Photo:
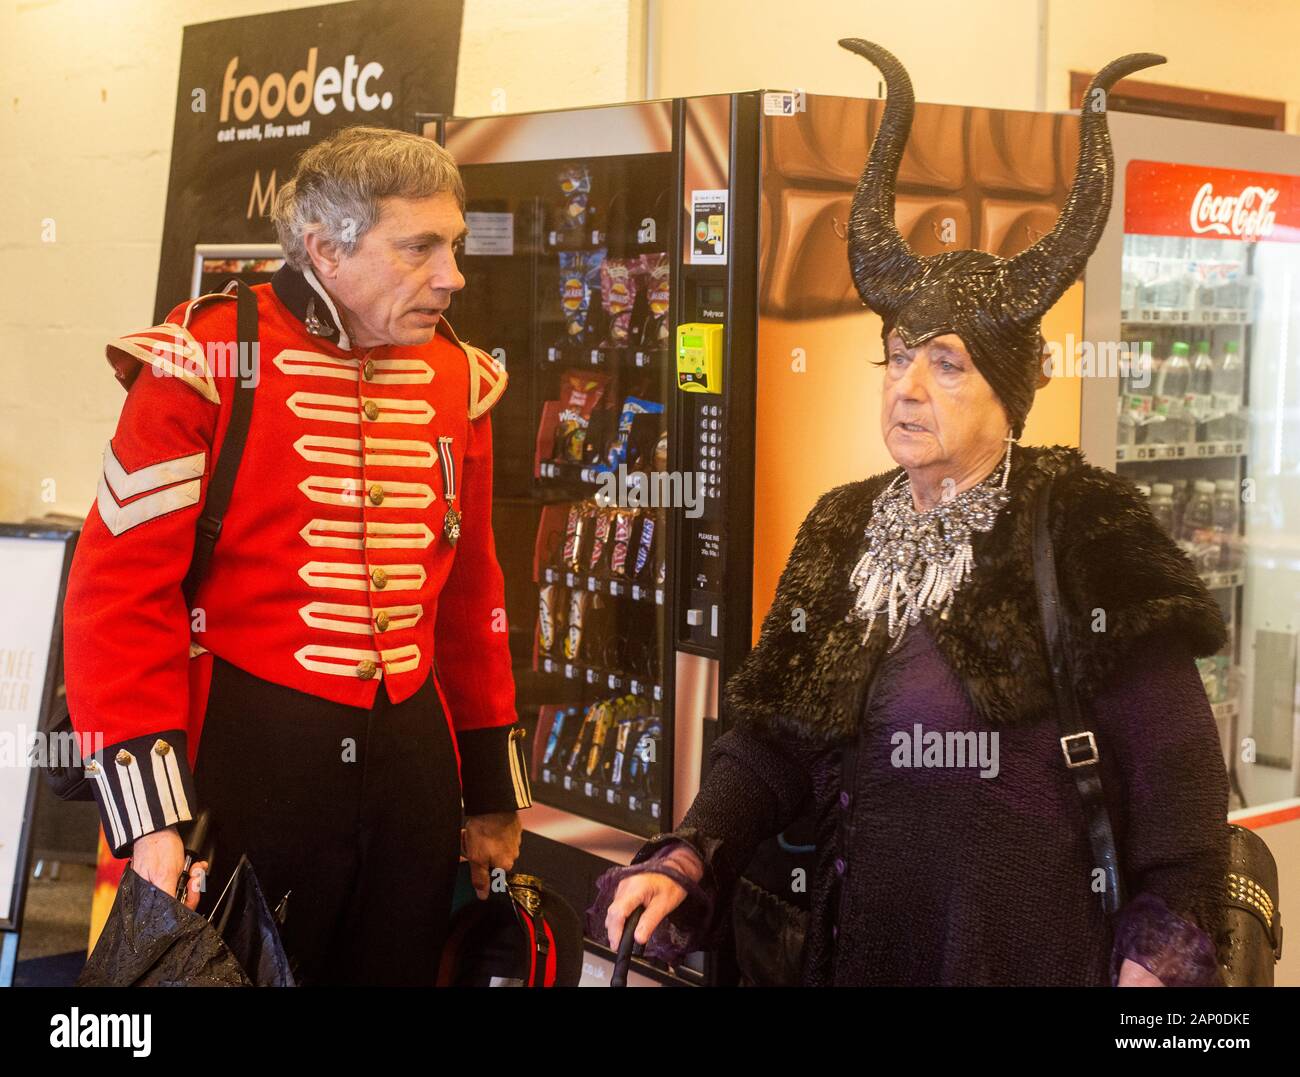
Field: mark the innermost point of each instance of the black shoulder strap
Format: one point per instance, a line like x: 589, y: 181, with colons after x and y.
x: 1078, y: 743
x: 222, y: 482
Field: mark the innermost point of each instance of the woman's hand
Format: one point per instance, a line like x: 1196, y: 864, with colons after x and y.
x: 1131, y: 974
x: 160, y: 857
x: 491, y: 841
x: 658, y: 893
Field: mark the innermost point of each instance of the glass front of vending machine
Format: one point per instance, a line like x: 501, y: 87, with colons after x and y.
x: 1205, y: 419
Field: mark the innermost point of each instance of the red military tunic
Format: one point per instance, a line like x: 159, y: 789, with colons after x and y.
x: 333, y: 574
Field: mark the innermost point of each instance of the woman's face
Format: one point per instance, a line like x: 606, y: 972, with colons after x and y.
x: 938, y: 414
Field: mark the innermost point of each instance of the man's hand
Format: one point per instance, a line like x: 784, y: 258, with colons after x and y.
x: 160, y: 858
x: 491, y: 841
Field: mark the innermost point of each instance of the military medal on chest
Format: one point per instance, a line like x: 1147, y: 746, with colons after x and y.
x: 451, y: 521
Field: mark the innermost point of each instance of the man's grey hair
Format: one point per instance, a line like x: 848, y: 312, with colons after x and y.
x: 340, y: 182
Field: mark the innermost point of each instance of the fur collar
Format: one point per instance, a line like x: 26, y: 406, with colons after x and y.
x: 1121, y: 579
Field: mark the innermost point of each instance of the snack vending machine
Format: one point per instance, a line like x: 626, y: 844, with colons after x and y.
x: 667, y: 285
x: 1198, y: 279
x: 609, y: 451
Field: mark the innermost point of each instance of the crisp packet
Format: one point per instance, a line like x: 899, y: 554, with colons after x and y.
x: 632, y: 407
x: 656, y: 270
x: 579, y: 279
x: 618, y: 288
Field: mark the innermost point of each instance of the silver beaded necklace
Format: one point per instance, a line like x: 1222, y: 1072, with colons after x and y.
x: 916, y: 562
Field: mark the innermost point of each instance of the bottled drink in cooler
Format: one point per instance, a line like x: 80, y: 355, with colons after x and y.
x: 1207, y: 265
x: 1172, y: 289
x: 1172, y: 385
x: 1227, y: 516
x: 1180, y: 503
x: 1162, y: 505
x: 1226, y: 386
x: 1199, y: 401
x: 1198, y: 536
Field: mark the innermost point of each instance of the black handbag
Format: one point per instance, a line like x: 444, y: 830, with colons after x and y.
x: 63, y: 772
x: 1250, y: 942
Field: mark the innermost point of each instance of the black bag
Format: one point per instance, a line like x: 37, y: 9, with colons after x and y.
x: 1250, y: 941
x: 70, y: 782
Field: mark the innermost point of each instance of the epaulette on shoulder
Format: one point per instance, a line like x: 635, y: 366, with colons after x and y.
x: 170, y: 348
x: 487, y: 377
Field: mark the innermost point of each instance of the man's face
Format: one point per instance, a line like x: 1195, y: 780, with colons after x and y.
x: 394, y: 287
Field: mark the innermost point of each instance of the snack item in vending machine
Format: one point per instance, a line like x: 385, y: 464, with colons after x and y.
x: 644, y: 755
x: 583, y: 538
x: 569, y: 551
x: 601, y: 430
x: 600, y: 540
x: 580, y: 394
x: 622, y: 736
x: 624, y: 524
x: 645, y: 441
x: 550, y: 598
x: 579, y: 280
x: 584, y: 731
x: 556, y: 734
x: 645, y: 545
x: 578, y: 602
x: 632, y: 408
x: 618, y: 290
x: 655, y: 332
x: 575, y: 185
x: 599, y: 734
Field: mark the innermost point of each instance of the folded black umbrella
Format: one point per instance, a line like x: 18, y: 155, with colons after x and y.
x: 153, y: 940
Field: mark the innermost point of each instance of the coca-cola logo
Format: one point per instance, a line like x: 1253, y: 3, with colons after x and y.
x: 1248, y: 215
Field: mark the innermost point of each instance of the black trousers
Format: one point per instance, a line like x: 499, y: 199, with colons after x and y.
x: 355, y: 814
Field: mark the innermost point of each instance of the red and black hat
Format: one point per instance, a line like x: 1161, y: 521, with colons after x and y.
x: 523, y: 936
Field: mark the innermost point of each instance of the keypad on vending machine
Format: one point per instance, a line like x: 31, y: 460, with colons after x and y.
x: 710, y: 448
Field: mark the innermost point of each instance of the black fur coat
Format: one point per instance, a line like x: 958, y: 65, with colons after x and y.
x: 1122, y: 578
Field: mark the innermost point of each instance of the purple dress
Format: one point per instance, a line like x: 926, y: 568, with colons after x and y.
x: 958, y: 854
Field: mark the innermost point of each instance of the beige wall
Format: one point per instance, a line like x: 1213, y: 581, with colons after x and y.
x: 949, y: 46
x: 87, y: 99
x: 975, y: 52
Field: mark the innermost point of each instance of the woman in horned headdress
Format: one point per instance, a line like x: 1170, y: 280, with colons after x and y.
x: 909, y: 611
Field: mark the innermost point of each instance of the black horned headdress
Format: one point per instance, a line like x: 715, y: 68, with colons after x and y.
x: 994, y: 304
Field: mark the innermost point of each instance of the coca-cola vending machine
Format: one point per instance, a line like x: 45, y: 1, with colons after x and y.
x: 1196, y: 284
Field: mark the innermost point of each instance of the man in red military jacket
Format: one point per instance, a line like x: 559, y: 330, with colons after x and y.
x: 299, y: 699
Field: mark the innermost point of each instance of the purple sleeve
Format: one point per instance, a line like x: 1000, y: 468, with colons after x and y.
x: 1171, y: 948
x: 754, y: 788
x: 687, y: 928
x: 1173, y: 805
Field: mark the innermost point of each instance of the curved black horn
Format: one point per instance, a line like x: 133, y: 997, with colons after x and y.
x: 882, y: 264
x: 1039, y: 276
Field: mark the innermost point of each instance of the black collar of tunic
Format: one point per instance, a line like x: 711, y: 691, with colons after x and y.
x: 298, y: 294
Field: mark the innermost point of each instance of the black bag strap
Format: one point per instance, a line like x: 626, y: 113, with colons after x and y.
x: 222, y: 483
x: 1078, y: 743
